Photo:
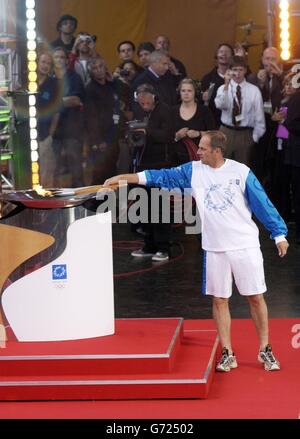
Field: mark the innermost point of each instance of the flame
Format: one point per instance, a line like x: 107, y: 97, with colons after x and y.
x: 42, y: 192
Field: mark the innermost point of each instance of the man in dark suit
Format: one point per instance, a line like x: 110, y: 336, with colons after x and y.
x: 176, y: 67
x: 211, y: 82
x: 155, y: 75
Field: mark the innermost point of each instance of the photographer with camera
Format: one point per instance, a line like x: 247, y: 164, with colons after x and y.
x: 159, y: 131
x: 127, y: 72
x: 149, y: 137
x: 124, y: 71
x: 83, y: 50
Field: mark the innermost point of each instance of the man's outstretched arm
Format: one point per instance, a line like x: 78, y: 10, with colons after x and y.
x: 178, y: 178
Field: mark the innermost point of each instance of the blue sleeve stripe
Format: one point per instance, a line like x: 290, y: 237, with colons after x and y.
x: 204, y: 273
x: 174, y: 178
x: 263, y: 208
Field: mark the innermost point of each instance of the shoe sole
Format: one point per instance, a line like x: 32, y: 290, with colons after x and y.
x: 143, y: 256
x: 160, y: 260
x: 275, y: 369
x: 223, y: 370
x: 268, y: 369
x: 232, y: 366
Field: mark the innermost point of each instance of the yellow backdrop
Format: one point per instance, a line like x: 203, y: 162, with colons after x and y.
x: 195, y: 27
x: 111, y: 20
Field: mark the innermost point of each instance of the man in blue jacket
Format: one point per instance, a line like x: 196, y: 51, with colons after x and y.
x: 227, y: 193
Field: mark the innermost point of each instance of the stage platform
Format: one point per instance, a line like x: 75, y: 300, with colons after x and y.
x: 145, y: 359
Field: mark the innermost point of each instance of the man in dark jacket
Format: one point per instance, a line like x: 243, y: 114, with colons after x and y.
x: 154, y: 153
x: 155, y: 75
x: 215, y: 78
x: 66, y: 26
x: 177, y: 69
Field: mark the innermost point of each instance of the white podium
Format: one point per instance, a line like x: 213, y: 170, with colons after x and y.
x: 72, y: 297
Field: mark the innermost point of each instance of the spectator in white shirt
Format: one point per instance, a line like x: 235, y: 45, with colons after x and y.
x: 242, y: 118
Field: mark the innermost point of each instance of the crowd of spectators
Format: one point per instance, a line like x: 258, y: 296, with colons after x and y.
x: 84, y: 110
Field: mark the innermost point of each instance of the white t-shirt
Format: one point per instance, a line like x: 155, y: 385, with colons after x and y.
x: 226, y: 217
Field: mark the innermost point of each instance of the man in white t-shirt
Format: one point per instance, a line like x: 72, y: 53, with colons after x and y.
x: 227, y: 193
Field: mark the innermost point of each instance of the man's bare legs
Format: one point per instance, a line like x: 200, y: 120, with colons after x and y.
x: 222, y: 319
x: 259, y: 313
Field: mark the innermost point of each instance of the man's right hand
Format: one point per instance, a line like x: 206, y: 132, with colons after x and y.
x: 112, y: 180
x: 275, y: 69
x: 76, y: 43
x: 227, y: 78
x: 262, y: 76
x: 123, y: 179
x: 116, y: 73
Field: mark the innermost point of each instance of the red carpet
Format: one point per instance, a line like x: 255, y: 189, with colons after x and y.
x: 247, y: 392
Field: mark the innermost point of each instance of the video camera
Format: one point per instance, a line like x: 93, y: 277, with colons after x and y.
x: 124, y: 73
x: 136, y: 139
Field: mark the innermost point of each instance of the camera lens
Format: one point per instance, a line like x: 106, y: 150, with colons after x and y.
x: 124, y: 73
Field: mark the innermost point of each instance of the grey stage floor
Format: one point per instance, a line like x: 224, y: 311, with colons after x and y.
x: 145, y: 289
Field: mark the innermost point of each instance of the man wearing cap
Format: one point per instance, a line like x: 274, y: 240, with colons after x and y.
x: 66, y: 26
